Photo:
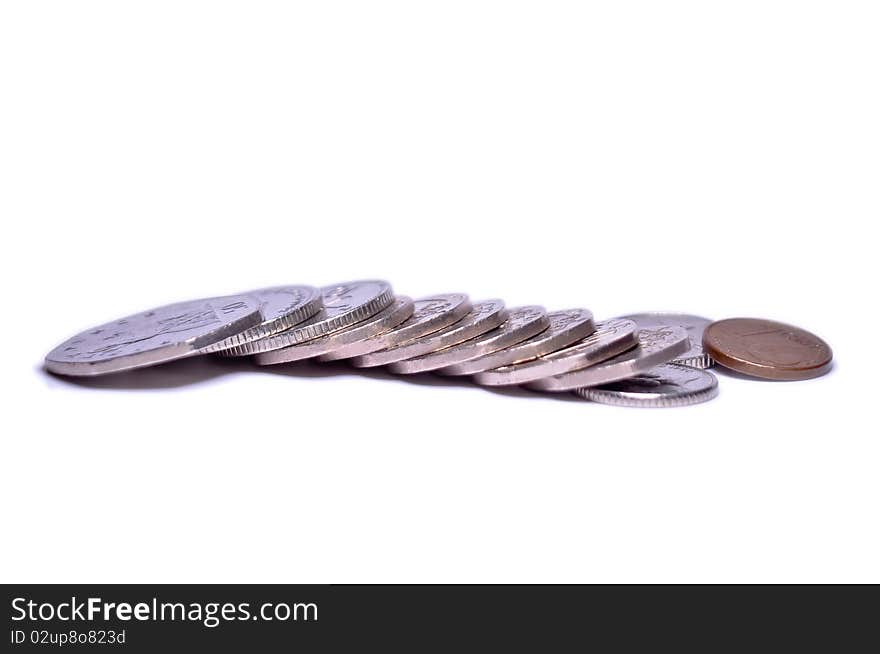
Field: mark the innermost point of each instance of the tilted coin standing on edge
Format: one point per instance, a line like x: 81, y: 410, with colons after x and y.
x: 696, y: 357
x: 767, y: 349
x: 344, y: 304
x: 521, y: 323
x: 162, y: 334
x: 388, y: 318
x: 565, y: 327
x: 667, y: 385
x: 656, y: 345
x: 282, y: 307
x: 484, y: 316
x: 430, y: 314
x: 610, y: 339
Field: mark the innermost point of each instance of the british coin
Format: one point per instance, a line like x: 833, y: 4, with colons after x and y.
x: 610, y: 339
x: 656, y: 345
x: 388, y: 318
x: 565, y: 327
x: 344, y: 304
x: 696, y: 357
x: 162, y: 334
x: 521, y: 323
x: 767, y: 349
x: 430, y: 314
x: 282, y: 307
x: 484, y: 316
x: 666, y: 385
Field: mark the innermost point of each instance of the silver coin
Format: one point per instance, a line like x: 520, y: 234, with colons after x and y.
x: 282, y: 307
x: 521, y: 323
x: 695, y: 357
x: 388, y: 318
x: 664, y: 386
x: 344, y: 304
x: 610, y: 339
x: 430, y: 314
x: 656, y: 345
x: 484, y: 316
x: 565, y: 327
x: 162, y: 334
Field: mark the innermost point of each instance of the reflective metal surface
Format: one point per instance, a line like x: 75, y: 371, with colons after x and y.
x: 162, y: 334
x: 521, y: 323
x: 656, y: 345
x: 386, y: 319
x: 344, y: 304
x: 666, y: 385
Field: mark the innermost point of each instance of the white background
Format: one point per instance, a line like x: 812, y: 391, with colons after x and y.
x: 714, y: 158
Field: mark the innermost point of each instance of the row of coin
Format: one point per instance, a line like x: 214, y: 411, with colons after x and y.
x: 645, y: 359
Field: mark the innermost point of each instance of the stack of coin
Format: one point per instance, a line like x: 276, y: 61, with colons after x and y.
x: 645, y: 359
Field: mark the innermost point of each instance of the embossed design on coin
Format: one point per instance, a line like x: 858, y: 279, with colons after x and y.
x: 386, y: 319
x: 565, y: 327
x: 344, y: 304
x: 610, y: 339
x: 162, y: 334
x: 667, y: 385
x: 656, y: 345
x: 521, y: 323
x: 767, y: 349
x: 430, y: 315
x: 282, y: 307
x: 695, y: 357
x: 484, y: 316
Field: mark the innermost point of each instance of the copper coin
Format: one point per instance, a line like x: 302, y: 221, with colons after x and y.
x: 767, y: 349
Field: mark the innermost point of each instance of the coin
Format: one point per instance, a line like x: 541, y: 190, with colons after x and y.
x: 696, y: 357
x: 430, y: 314
x: 388, y: 318
x: 565, y: 328
x: 656, y: 345
x: 282, y: 307
x: 666, y: 385
x: 344, y: 304
x: 521, y: 323
x: 162, y: 334
x: 484, y: 316
x: 767, y: 349
x: 610, y: 339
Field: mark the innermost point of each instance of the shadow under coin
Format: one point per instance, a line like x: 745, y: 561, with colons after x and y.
x: 174, y: 374
x: 341, y: 368
x: 520, y: 392
x: 433, y: 379
x: 309, y: 369
x: 205, y: 369
x: 721, y: 371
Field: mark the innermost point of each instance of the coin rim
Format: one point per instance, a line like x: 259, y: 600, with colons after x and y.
x: 701, y: 361
x: 435, y: 323
x: 560, y: 340
x: 428, y: 362
x: 305, y: 310
x: 627, y: 368
x: 500, y: 377
x: 413, y: 365
x: 386, y: 319
x: 399, y: 352
x: 300, y: 334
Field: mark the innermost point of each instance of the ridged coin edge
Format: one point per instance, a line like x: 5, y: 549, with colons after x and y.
x: 597, y: 395
x: 264, y: 330
x: 303, y: 334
